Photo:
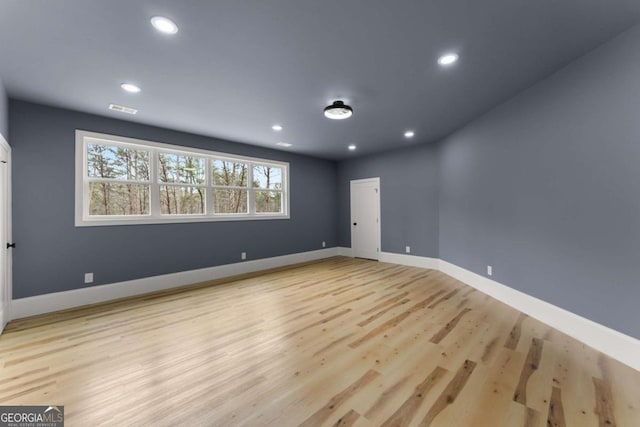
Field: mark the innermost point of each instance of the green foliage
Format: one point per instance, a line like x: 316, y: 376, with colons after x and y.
x: 229, y: 174
x: 179, y: 169
x: 120, y: 164
x: 121, y: 183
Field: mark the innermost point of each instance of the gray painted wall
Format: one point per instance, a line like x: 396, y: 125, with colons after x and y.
x: 408, y: 198
x: 546, y: 189
x: 52, y: 255
x: 4, y: 112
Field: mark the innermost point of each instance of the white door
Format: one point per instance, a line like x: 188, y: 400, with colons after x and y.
x: 5, y: 232
x: 365, y: 218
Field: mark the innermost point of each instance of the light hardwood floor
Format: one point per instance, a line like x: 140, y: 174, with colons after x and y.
x: 338, y: 342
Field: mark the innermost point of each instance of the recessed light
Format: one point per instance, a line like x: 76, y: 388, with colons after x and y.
x: 448, y: 59
x: 338, y: 111
x: 164, y: 25
x: 129, y: 87
x: 409, y: 134
x: 277, y: 128
x: 122, y: 109
x: 352, y: 147
x: 283, y: 144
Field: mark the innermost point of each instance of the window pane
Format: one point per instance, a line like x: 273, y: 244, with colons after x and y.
x: 118, y: 199
x: 180, y: 169
x: 230, y: 174
x: 229, y: 201
x: 268, y: 177
x: 179, y: 200
x: 105, y: 161
x: 268, y: 201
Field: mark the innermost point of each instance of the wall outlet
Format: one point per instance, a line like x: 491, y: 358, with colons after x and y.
x: 324, y: 244
x: 88, y: 277
x: 243, y: 255
x: 489, y: 270
x: 407, y: 249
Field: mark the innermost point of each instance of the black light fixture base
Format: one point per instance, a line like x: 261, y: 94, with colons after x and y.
x: 338, y: 111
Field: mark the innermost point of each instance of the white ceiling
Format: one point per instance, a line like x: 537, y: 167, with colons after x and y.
x: 236, y: 67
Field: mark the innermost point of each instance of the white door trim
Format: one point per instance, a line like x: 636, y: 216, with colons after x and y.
x: 8, y: 282
x: 376, y: 181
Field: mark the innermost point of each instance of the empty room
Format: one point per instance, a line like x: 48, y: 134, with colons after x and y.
x: 319, y: 213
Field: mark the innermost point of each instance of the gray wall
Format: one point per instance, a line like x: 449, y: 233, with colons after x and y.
x: 4, y: 112
x: 52, y: 255
x: 408, y: 198
x: 546, y: 189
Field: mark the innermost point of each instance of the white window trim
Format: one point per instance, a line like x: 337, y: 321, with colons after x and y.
x: 83, y: 219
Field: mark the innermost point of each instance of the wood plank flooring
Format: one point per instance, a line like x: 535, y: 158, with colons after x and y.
x: 340, y: 342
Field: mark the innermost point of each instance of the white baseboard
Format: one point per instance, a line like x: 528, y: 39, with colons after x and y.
x: 410, y: 260
x: 31, y: 306
x: 342, y: 251
x: 606, y: 340
x: 617, y: 345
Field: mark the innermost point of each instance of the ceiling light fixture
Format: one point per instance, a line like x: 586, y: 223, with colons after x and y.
x: 277, y: 128
x: 122, y: 109
x: 130, y: 87
x: 283, y: 144
x: 164, y: 25
x: 338, y: 111
x: 352, y: 147
x: 448, y: 59
x: 409, y: 134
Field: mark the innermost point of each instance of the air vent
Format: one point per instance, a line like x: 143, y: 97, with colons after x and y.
x: 122, y: 109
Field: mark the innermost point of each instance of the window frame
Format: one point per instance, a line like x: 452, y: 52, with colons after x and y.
x: 82, y: 194
x: 156, y: 179
x: 89, y: 180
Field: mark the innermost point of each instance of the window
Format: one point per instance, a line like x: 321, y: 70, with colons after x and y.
x: 267, y: 179
x: 128, y: 181
x: 182, y: 184
x: 118, y: 180
x: 230, y: 187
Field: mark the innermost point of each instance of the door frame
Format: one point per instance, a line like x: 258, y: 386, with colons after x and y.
x: 6, y: 311
x: 353, y: 182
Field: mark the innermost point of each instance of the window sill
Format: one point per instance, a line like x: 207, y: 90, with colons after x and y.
x: 95, y: 222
